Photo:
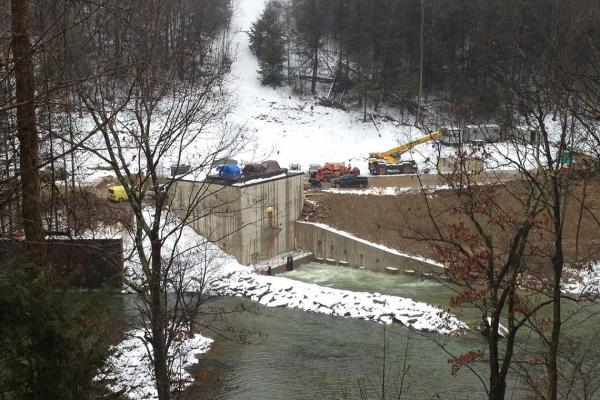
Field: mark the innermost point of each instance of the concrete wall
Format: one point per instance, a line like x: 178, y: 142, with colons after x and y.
x: 338, y: 249
x: 252, y: 221
x: 269, y: 211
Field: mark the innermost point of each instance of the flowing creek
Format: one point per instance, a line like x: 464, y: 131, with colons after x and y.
x: 299, y: 355
x: 293, y: 354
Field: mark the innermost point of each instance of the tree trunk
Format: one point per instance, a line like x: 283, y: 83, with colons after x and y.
x: 313, y: 85
x: 497, y: 381
x: 27, y: 133
x: 557, y: 268
x: 158, y: 320
x: 555, y: 338
x: 580, y: 217
x: 557, y: 265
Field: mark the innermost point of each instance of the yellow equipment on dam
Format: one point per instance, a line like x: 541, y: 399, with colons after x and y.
x: 390, y: 162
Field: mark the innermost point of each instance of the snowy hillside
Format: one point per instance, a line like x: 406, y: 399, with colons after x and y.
x: 295, y: 130
x: 291, y: 129
x: 280, y: 125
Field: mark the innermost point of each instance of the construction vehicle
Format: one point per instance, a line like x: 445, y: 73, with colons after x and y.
x: 265, y: 169
x: 117, y: 194
x: 349, y: 180
x: 390, y: 162
x: 335, y: 170
x: 312, y: 169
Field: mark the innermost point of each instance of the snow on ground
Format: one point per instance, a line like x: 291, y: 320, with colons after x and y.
x: 583, y: 282
x: 377, y: 245
x: 282, y: 292
x: 292, y: 129
x: 203, y: 264
x: 129, y: 368
x: 196, y: 261
x: 295, y: 129
x: 287, y: 127
x: 387, y: 191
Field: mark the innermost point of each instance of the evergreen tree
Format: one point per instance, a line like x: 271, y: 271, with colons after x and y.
x: 267, y: 42
x: 52, y: 341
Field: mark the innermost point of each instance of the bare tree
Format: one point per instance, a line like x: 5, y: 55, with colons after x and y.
x: 150, y: 112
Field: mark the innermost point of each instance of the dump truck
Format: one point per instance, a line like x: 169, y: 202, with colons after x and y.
x: 390, y: 162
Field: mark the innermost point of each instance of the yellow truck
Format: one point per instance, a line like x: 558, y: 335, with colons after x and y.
x: 117, y: 194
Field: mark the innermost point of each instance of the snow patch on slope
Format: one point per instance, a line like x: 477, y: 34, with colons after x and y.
x: 296, y: 129
x: 387, y: 191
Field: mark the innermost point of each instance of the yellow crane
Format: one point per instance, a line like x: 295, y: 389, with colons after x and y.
x: 389, y: 162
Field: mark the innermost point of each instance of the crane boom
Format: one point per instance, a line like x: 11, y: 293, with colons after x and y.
x: 393, y: 155
x: 389, y: 162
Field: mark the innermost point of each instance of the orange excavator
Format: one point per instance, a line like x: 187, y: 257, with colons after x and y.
x: 335, y: 170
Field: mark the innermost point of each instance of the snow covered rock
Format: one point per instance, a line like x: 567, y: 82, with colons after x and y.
x: 273, y: 291
x: 129, y: 369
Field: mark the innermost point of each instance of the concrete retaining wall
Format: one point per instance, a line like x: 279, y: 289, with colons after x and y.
x: 251, y: 220
x: 335, y: 248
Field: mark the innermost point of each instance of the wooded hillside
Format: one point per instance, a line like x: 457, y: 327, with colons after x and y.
x: 371, y: 49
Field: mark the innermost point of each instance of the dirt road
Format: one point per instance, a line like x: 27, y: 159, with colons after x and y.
x: 416, y: 181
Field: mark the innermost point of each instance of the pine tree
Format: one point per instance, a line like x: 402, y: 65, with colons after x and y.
x: 267, y: 42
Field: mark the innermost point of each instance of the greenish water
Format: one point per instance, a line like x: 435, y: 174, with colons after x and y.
x: 411, y: 286
x: 581, y: 319
x: 300, y: 355
x: 291, y: 354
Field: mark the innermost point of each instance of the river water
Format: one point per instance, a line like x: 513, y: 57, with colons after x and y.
x: 292, y: 354
x: 281, y: 353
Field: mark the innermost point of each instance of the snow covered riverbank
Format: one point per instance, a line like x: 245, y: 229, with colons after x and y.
x: 273, y: 291
x: 129, y: 369
x: 209, y: 267
x: 583, y: 282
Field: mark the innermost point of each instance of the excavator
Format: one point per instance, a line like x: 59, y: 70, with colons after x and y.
x: 389, y: 162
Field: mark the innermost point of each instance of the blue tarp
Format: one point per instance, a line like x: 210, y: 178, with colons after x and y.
x: 229, y: 171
